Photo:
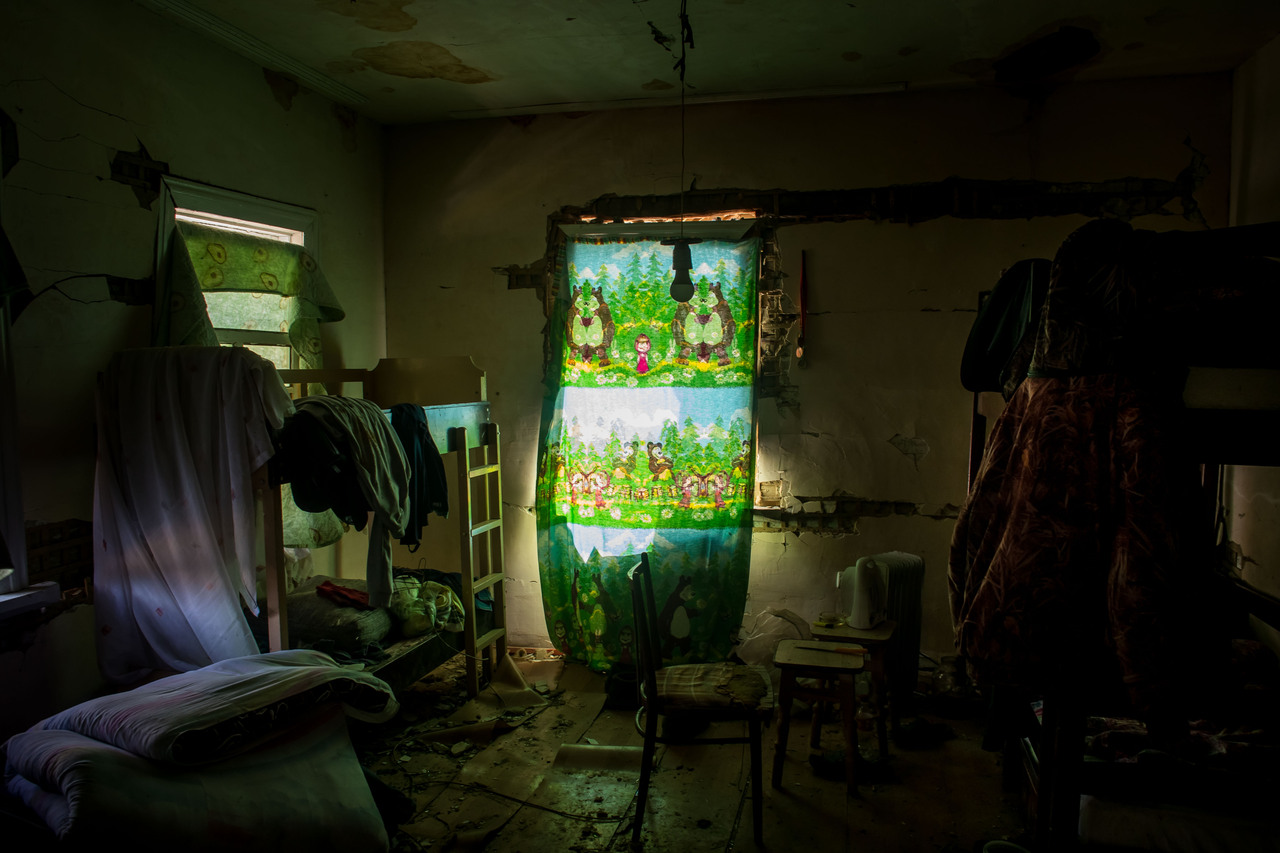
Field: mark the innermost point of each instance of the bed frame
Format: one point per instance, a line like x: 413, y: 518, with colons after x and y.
x: 1231, y: 418
x: 453, y: 395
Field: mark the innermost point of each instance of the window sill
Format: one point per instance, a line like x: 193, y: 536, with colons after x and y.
x: 32, y: 598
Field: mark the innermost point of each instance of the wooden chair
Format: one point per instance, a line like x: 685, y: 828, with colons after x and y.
x: 694, y: 694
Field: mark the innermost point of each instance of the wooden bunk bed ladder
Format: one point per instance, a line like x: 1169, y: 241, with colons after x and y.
x: 483, y: 559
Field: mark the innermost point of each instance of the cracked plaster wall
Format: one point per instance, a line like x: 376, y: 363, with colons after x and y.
x: 889, y: 305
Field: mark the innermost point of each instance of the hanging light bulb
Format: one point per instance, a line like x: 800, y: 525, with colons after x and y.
x: 682, y: 288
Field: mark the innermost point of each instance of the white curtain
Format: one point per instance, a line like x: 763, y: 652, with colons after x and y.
x: 180, y: 432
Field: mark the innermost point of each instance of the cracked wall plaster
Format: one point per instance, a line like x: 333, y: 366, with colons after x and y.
x: 139, y: 171
x: 915, y: 447
x: 283, y: 88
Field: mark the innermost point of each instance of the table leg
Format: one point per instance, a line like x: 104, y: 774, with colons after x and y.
x: 848, y: 707
x: 819, y: 710
x: 784, y: 724
x: 881, y: 690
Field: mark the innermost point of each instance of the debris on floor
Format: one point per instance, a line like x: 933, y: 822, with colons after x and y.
x: 546, y: 761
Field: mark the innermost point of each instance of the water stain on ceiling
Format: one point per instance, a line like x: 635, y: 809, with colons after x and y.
x: 385, y: 15
x: 422, y: 60
x: 557, y: 55
x: 1051, y: 54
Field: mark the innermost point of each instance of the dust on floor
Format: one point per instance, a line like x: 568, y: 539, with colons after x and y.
x: 542, y: 760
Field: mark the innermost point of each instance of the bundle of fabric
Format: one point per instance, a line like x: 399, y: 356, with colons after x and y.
x: 249, y: 753
x: 1073, y: 565
x: 421, y: 606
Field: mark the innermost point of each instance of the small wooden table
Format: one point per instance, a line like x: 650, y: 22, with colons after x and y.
x: 876, y: 641
x: 833, y: 670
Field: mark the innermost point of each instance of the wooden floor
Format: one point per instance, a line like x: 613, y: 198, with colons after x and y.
x: 561, y: 776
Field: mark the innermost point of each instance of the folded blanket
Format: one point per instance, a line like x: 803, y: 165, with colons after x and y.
x: 249, y: 753
x: 219, y: 710
x: 302, y: 790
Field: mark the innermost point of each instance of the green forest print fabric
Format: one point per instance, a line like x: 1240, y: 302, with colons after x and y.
x: 647, y: 446
x: 247, y: 283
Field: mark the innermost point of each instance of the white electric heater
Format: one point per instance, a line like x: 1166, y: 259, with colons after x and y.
x: 864, y: 593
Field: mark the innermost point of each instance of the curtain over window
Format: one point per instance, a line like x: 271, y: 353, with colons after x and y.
x: 647, y: 445
x: 220, y: 278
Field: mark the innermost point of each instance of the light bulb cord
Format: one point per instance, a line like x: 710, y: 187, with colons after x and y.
x: 686, y: 42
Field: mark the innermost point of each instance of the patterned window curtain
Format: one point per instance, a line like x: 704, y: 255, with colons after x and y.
x: 647, y: 445
x: 258, y: 284
x: 248, y: 282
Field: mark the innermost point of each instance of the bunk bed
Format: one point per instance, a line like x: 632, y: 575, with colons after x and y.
x: 183, y: 432
x: 1163, y: 736
x: 192, y: 443
x: 452, y: 395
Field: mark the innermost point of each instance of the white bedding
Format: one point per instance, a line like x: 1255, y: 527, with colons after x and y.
x: 247, y: 754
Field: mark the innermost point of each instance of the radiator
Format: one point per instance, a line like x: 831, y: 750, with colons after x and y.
x: 904, y: 588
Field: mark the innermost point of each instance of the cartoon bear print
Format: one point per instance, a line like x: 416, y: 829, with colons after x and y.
x: 660, y: 466
x: 674, y: 626
x: 704, y: 324
x: 562, y: 638
x: 590, y: 327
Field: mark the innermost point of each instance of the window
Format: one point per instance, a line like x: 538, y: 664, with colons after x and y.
x: 242, y: 271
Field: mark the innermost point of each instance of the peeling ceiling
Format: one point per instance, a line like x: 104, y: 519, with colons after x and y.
x: 405, y: 61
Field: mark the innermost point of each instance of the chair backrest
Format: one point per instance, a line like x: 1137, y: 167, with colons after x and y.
x: 645, y: 613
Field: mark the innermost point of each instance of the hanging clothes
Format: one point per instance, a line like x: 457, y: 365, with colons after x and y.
x: 1071, y: 559
x: 377, y: 466
x: 429, y: 490
x: 180, y: 432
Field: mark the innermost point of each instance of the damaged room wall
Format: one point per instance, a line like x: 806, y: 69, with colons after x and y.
x: 890, y: 304
x: 1253, y: 496
x: 83, y: 81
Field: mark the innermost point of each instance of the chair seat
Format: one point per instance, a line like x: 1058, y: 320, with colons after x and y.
x: 704, y: 687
